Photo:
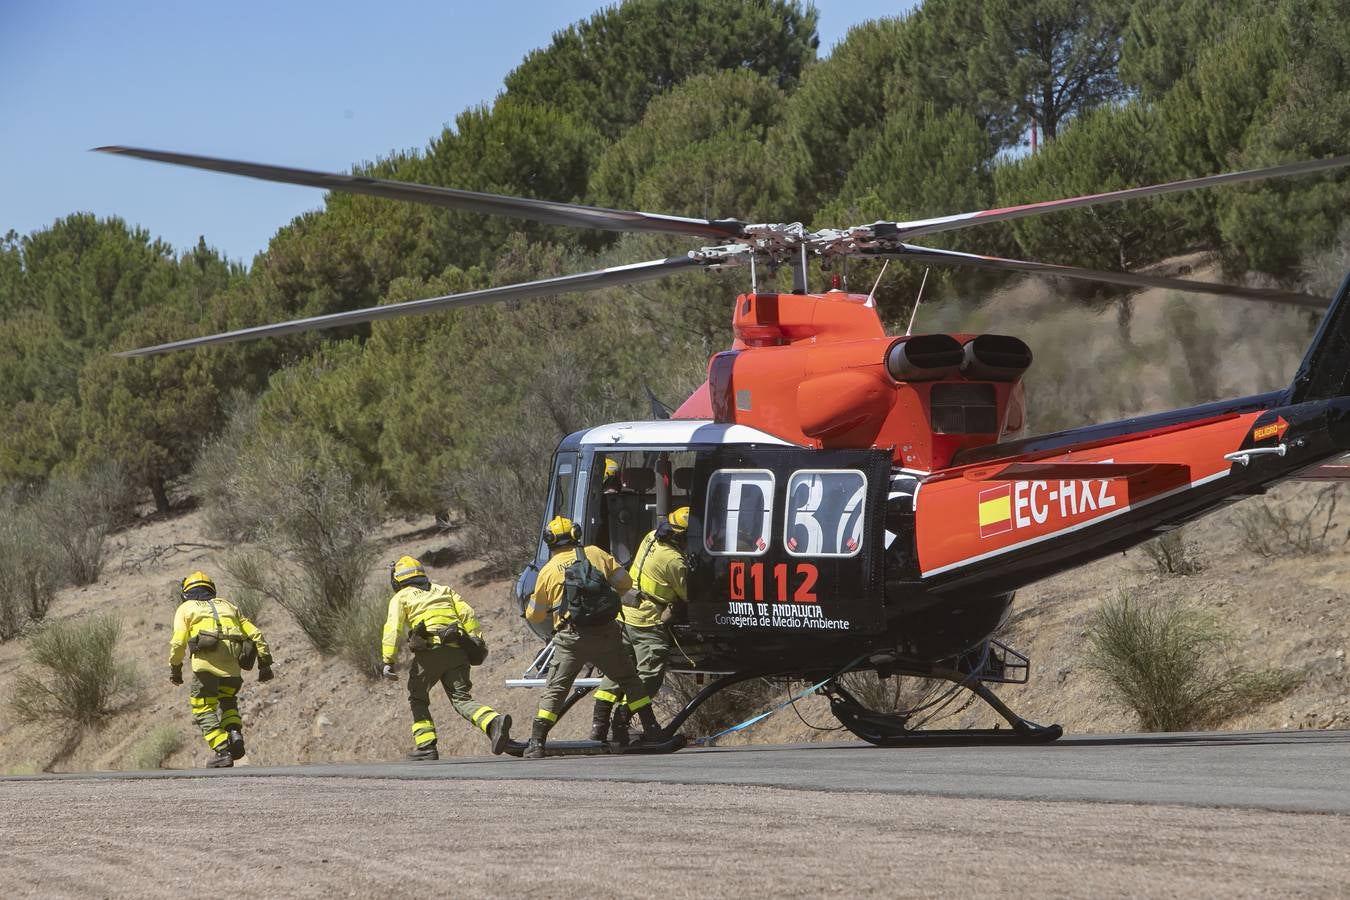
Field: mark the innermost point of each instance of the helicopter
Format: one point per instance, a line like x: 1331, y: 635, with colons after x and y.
x: 869, y: 502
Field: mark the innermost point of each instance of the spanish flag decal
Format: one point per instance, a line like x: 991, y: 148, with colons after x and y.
x: 996, y: 511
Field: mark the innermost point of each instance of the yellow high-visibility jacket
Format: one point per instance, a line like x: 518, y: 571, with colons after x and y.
x: 548, y: 587
x: 435, y: 609
x: 194, y: 617
x: 659, y: 572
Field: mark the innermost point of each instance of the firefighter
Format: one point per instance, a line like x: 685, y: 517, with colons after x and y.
x: 582, y: 602
x: 658, y: 573
x: 445, y: 639
x: 223, y: 642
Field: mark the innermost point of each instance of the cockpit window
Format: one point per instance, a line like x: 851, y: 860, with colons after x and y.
x: 739, y: 514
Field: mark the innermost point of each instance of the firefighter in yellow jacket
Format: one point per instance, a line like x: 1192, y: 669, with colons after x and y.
x: 577, y: 642
x: 220, y: 638
x: 659, y: 575
x: 445, y: 639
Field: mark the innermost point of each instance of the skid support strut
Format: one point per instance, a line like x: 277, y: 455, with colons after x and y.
x: 892, y: 729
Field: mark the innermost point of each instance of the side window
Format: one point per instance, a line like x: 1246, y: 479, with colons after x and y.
x: 739, y: 515
x: 563, y: 479
x: 825, y: 511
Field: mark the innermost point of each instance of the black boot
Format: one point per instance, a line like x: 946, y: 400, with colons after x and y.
x: 538, y: 738
x: 499, y: 733
x: 425, y: 751
x: 651, y: 729
x: 618, y: 729
x: 600, y: 719
x: 222, y: 759
x: 236, y: 743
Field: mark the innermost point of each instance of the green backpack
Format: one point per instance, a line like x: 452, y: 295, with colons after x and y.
x: 588, y: 599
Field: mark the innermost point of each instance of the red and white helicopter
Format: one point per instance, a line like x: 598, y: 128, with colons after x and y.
x: 861, y: 501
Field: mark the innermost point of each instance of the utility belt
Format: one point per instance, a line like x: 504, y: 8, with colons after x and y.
x: 421, y: 639
x: 634, y: 598
x: 206, y: 641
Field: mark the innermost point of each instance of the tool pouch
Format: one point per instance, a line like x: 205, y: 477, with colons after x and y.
x: 248, y: 655
x: 418, y: 639
x: 204, y: 641
x: 475, y: 648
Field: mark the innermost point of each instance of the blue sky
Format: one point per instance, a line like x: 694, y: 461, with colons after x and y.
x: 318, y: 85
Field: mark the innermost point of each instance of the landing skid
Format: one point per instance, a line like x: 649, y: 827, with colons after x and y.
x: 892, y: 730
x: 601, y: 748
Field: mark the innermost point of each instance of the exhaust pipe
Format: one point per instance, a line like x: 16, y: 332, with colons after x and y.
x: 995, y: 357
x: 925, y: 357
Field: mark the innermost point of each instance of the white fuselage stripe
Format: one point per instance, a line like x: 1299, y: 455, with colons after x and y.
x: 1072, y: 528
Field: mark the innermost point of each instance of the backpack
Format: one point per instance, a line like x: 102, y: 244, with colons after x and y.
x: 588, y: 598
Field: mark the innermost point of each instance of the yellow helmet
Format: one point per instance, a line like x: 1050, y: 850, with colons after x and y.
x: 562, y: 530
x: 405, y: 571
x: 675, y: 525
x: 611, y: 468
x: 197, y: 580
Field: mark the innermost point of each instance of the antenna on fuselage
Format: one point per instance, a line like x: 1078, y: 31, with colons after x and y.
x: 917, y: 300
x: 872, y: 296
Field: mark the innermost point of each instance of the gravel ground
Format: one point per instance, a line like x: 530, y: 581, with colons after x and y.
x: 311, y: 837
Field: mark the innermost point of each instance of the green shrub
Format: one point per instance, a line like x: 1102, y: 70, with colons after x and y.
x: 157, y: 745
x: 81, y: 677
x: 1173, y: 667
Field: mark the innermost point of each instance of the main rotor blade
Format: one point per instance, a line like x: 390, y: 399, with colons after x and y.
x: 907, y: 230
x: 585, y: 281
x: 911, y: 253
x: 546, y: 211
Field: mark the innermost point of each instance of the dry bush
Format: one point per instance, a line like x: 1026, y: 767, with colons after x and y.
x: 314, y: 522
x: 901, y: 695
x: 152, y: 748
x: 1171, y: 554
x: 502, y: 500
x: 1174, y: 667
x: 1297, y: 524
x: 75, y: 514
x: 724, y: 709
x: 357, y: 635
x: 217, y: 473
x: 250, y: 579
x: 29, y: 571
x: 81, y: 678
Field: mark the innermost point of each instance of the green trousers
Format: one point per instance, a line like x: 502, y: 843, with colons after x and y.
x: 599, y: 645
x: 215, y: 706
x: 651, y: 650
x: 450, y: 667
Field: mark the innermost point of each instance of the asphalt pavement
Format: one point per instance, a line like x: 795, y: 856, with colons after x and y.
x: 1300, y: 771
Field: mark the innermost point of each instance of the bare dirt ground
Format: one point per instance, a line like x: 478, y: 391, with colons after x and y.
x: 310, y: 837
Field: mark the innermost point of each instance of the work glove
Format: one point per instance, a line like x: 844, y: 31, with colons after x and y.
x: 175, y: 674
x: 451, y: 632
x: 388, y: 671
x: 265, y: 672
